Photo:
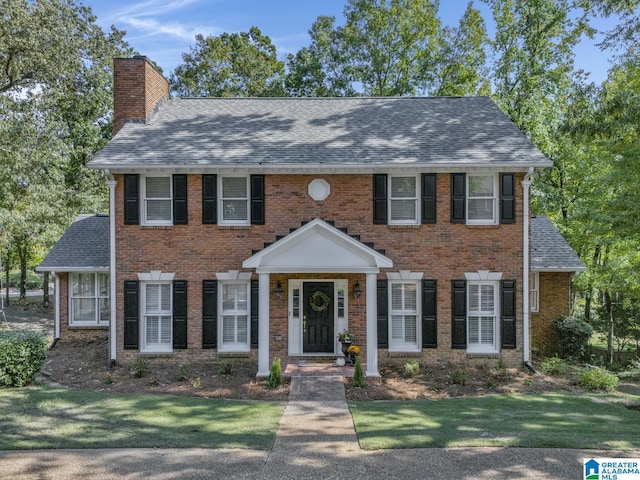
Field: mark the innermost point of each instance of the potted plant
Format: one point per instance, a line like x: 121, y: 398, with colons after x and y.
x: 346, y: 338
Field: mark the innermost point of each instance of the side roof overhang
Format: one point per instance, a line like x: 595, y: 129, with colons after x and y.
x: 550, y: 252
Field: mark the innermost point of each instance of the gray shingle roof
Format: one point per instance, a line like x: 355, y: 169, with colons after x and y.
x: 340, y: 133
x: 84, y: 246
x: 550, y: 252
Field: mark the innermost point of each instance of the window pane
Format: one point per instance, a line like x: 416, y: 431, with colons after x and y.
x: 481, y: 186
x: 105, y: 313
x: 410, y: 297
x: 158, y: 330
x: 474, y: 330
x: 104, y: 285
x: 234, y: 297
x: 474, y: 298
x: 487, y: 298
x: 235, y: 209
x: 403, y: 209
x: 84, y: 310
x: 228, y: 329
x: 234, y: 187
x: 486, y: 330
x: 83, y: 284
x: 243, y: 330
x: 481, y: 209
x: 410, y: 329
x: 396, y: 327
x: 157, y: 297
x: 403, y: 187
x: 158, y: 187
x: 158, y: 210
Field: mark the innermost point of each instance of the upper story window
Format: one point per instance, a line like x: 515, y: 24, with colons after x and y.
x: 89, y: 304
x: 157, y: 200
x: 403, y: 200
x: 482, y: 199
x: 482, y: 317
x: 234, y: 200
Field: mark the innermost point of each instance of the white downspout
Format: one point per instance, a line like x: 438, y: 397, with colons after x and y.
x: 526, y: 333
x: 56, y: 334
x: 112, y: 268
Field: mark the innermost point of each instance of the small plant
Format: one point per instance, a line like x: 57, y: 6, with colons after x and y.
x: 184, y: 374
x: 140, y: 367
x: 225, y: 368
x: 554, y: 366
x: 108, y: 379
x: 197, y: 382
x: 528, y: 382
x: 460, y: 376
x: 501, y: 372
x: 275, y: 375
x: 598, y: 379
x: 410, y: 369
x: 154, y: 381
x: 346, y: 337
x: 358, y: 374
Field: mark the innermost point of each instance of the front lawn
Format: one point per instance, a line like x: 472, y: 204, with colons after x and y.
x: 42, y: 417
x: 514, y: 420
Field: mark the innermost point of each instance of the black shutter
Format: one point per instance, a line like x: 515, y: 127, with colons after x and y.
x: 257, y: 200
x: 458, y: 197
x: 428, y: 198
x: 131, y: 199
x: 179, y: 314
x: 131, y: 314
x: 180, y: 210
x: 209, y: 199
x: 209, y: 313
x: 383, y: 314
x: 507, y: 198
x: 255, y: 299
x: 459, y: 314
x: 429, y: 314
x: 508, y: 324
x: 380, y: 199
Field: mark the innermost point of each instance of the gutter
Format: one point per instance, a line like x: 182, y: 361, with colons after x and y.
x: 111, y: 183
x: 526, y: 328
x: 56, y: 334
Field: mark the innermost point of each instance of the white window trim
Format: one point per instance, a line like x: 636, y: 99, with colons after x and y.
x: 496, y: 199
x: 235, y: 347
x: 143, y: 188
x: 403, y: 346
x: 534, y: 292
x: 221, y: 220
x: 416, y: 199
x: 480, y: 348
x: 97, y: 297
x: 155, y: 348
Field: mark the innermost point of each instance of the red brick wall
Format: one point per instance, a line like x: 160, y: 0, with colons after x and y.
x: 138, y: 88
x: 443, y: 251
x: 554, y: 303
x: 69, y: 333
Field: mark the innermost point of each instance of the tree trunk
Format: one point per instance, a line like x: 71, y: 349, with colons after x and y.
x: 6, y: 283
x: 609, y: 311
x: 45, y: 290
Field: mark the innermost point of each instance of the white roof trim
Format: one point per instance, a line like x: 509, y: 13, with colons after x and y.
x: 62, y: 269
x: 560, y: 270
x: 317, y: 247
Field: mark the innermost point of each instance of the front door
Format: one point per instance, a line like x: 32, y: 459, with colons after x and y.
x: 317, y: 320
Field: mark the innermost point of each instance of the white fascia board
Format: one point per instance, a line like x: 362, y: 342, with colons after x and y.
x: 73, y: 269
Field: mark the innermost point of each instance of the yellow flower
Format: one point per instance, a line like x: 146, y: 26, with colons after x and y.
x: 354, y: 350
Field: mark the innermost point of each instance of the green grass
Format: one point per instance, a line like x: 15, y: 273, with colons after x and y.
x: 42, y: 417
x: 517, y: 420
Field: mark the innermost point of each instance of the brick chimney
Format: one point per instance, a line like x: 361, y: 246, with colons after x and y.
x: 138, y: 90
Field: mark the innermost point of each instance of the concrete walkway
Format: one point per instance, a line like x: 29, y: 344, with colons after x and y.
x: 316, y: 440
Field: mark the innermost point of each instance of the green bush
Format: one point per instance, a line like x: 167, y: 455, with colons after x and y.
x: 460, y: 376
x: 598, y: 379
x: 574, y: 334
x: 225, y: 368
x: 410, y: 369
x: 275, y: 375
x: 22, y: 355
x: 554, y: 366
x: 140, y: 367
x: 32, y: 282
x: 358, y: 374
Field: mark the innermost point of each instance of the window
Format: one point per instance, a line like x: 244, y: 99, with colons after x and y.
x: 234, y: 200
x: 157, y: 201
x: 404, y: 317
x: 157, y: 317
x: 481, y: 199
x: 89, y: 299
x: 482, y: 314
x: 403, y: 200
x: 534, y: 291
x: 234, y: 306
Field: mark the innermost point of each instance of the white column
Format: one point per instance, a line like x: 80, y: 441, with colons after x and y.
x: 263, y: 325
x: 113, y: 332
x: 372, y: 325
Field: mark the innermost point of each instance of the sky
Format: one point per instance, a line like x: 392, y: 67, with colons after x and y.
x: 165, y: 29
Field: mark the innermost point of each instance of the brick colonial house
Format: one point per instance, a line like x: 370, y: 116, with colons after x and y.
x: 263, y: 227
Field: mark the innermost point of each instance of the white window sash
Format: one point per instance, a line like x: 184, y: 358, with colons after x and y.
x: 404, y: 320
x: 482, y: 321
x: 222, y: 202
x: 534, y: 292
x: 147, y: 202
x: 408, y: 200
x: 234, y: 330
x: 90, y: 303
x: 157, y: 322
x: 492, y: 199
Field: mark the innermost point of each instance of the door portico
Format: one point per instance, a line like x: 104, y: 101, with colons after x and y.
x: 320, y: 249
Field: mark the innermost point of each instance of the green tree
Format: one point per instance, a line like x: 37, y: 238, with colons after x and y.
x: 241, y: 64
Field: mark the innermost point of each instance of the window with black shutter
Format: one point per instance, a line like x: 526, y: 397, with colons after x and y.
x: 179, y: 314
x: 131, y: 314
x: 429, y: 314
x: 459, y: 314
x: 209, y: 314
x: 508, y: 314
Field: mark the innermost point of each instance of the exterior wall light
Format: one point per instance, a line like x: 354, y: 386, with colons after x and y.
x: 277, y: 291
x: 357, y: 291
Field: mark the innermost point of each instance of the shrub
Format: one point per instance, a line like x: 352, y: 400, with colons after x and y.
x: 574, y: 334
x: 33, y: 281
x: 632, y: 372
x: 225, y: 368
x: 460, y: 376
x: 598, y: 379
x: 358, y: 374
x: 554, y: 366
x: 22, y: 355
x: 184, y: 374
x: 410, y: 369
x: 275, y: 375
x: 140, y: 367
